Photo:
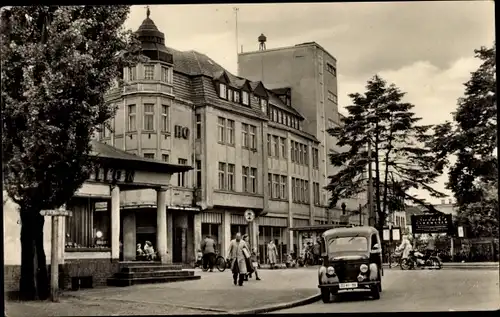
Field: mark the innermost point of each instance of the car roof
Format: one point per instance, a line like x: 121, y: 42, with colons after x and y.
x: 346, y: 232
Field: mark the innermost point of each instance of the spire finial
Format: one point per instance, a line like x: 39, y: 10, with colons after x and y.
x: 148, y: 12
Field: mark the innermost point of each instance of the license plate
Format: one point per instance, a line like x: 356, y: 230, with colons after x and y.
x: 348, y: 285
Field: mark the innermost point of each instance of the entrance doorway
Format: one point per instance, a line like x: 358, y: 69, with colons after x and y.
x: 180, y: 239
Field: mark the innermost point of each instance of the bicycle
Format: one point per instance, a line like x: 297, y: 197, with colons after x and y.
x: 221, y: 263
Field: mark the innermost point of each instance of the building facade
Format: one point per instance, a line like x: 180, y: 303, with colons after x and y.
x: 249, y: 146
x: 309, y: 73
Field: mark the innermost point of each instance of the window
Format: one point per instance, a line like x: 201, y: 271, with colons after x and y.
x: 253, y: 137
x: 230, y: 177
x: 164, y: 118
x: 246, y: 100
x: 306, y: 155
x: 275, y: 115
x: 165, y: 74
x: 316, y: 193
x: 131, y: 118
x: 331, y: 69
x: 263, y: 105
x: 283, y: 147
x: 315, y: 158
x: 271, y: 114
x: 283, y: 193
x: 132, y: 73
x: 244, y: 178
x: 302, y: 190
x: 149, y: 156
x: 165, y: 157
x: 86, y: 221
x: 149, y: 72
x: 294, y: 196
x: 222, y: 175
x: 198, y: 126
x: 332, y: 97
x: 198, y: 174
x: 236, y: 96
x: 276, y: 146
x: 280, y: 117
x: 222, y: 91
x: 244, y: 135
x: 300, y: 156
x: 276, y: 186
x: 181, y: 177
x: 230, y: 132
x: 297, y: 154
x: 288, y: 120
x: 149, y: 117
x: 269, y: 145
x: 345, y: 244
x: 292, y: 151
x: 253, y: 180
x: 270, y: 185
x: 230, y: 94
x: 306, y: 191
x: 221, y: 128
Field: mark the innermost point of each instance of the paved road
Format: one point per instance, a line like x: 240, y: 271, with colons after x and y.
x: 422, y: 290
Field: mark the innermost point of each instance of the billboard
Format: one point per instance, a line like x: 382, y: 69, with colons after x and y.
x: 435, y: 223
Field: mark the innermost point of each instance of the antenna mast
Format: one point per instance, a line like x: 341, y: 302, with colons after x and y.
x: 235, y: 9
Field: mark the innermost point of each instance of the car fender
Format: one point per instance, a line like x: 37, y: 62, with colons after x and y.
x: 323, y: 279
x: 373, y: 271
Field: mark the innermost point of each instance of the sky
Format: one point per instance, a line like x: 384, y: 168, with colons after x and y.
x: 425, y: 48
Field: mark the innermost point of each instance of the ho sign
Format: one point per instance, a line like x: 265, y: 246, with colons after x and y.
x: 181, y: 132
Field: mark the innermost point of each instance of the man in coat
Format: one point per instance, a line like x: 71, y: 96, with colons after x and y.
x: 208, y: 250
x: 237, y: 255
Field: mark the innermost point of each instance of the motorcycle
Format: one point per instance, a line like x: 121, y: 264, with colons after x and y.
x: 418, y: 259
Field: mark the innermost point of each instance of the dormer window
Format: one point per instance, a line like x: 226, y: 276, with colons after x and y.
x: 275, y: 115
x: 245, y: 98
x: 236, y: 96
x: 222, y: 91
x: 230, y: 94
x: 263, y: 105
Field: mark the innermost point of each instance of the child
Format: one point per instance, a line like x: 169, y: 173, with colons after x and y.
x: 199, y: 258
x: 255, y: 263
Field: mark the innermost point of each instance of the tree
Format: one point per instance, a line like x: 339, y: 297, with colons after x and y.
x: 57, y: 63
x: 472, y: 139
x: 381, y: 118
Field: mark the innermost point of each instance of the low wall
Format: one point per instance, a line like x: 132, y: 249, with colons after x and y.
x: 99, y: 269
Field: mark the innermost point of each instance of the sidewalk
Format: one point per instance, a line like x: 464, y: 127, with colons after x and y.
x: 214, y: 293
x: 466, y: 265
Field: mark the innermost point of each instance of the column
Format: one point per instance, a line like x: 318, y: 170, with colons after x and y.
x: 161, y: 223
x: 115, y: 222
x: 290, y: 235
x: 62, y: 238
x: 197, y: 233
x: 226, y: 232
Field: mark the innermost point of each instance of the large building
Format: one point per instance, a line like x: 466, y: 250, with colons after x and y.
x: 308, y: 73
x: 249, y: 146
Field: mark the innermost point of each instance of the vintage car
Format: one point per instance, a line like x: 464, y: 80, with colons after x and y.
x: 352, y: 261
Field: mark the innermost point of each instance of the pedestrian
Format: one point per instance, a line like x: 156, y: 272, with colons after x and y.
x: 248, y: 261
x: 208, y: 250
x: 272, y: 254
x: 316, y: 251
x: 405, y: 247
x: 149, y: 251
x: 255, y: 263
x: 237, y: 249
x: 139, y: 252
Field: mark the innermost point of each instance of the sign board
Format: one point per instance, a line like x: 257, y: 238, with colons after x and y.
x: 396, y: 234
x: 436, y: 223
x: 111, y: 175
x: 386, y: 235
x: 249, y: 215
x: 56, y: 212
x: 460, y: 232
x: 181, y: 132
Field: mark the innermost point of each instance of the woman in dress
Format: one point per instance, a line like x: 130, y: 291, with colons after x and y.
x: 272, y: 254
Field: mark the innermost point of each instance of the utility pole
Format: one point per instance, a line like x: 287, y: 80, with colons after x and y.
x: 370, y: 183
x: 235, y: 9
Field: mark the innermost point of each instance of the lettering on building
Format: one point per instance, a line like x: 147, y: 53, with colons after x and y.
x: 432, y: 223
x: 112, y: 175
x: 181, y: 132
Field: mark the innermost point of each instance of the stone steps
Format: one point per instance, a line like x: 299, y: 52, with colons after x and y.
x: 133, y: 273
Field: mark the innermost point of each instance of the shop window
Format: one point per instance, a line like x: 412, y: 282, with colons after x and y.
x: 238, y: 228
x: 87, y: 228
x: 210, y: 229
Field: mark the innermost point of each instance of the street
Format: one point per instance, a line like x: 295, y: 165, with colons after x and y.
x: 421, y: 290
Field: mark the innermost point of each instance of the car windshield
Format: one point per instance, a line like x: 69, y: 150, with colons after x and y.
x: 343, y: 244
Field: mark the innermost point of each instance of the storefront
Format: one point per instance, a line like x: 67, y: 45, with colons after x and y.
x: 275, y: 229
x: 211, y: 225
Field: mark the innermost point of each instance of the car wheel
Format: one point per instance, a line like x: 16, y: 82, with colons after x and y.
x: 325, y: 295
x: 375, y: 292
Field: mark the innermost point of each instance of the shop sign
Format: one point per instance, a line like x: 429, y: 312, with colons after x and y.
x: 181, y: 132
x: 112, y: 175
x: 441, y: 223
x: 55, y: 212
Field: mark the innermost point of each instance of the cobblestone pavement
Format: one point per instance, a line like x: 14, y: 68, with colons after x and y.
x: 421, y: 290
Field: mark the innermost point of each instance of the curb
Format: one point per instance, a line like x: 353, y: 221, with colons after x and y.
x: 270, y: 308
x: 448, y: 267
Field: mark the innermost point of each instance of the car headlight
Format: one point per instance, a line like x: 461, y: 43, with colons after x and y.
x: 330, y: 270
x: 363, y: 268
